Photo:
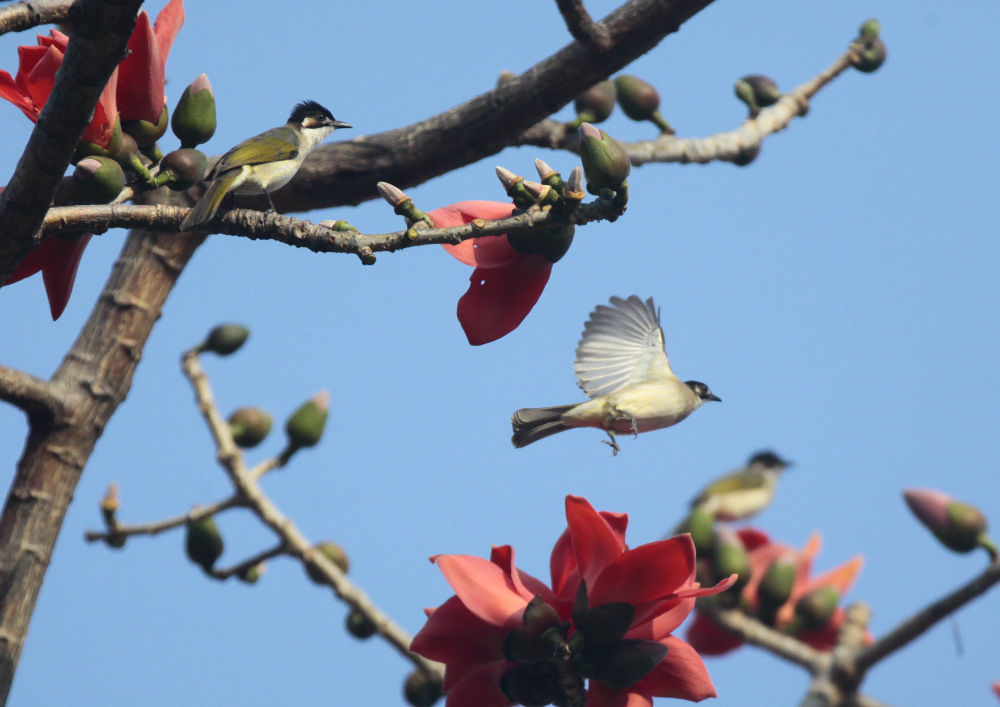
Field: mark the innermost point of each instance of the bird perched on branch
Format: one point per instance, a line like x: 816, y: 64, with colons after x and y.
x: 265, y: 162
x: 743, y: 492
x: 621, y: 364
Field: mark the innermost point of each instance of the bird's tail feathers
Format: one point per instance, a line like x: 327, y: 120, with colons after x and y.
x: 209, y: 202
x: 533, y: 424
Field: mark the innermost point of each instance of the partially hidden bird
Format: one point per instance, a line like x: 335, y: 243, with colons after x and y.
x: 265, y: 162
x: 743, y: 492
x: 622, y: 366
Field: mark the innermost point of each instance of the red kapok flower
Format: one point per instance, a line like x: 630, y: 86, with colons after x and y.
x: 142, y: 75
x: 708, y: 638
x: 506, y: 282
x: 36, y: 72
x: 57, y: 259
x: 609, y: 615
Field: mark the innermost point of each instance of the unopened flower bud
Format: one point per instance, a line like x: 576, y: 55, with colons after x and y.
x: 552, y: 243
x: 89, y: 149
x: 359, y: 625
x: 335, y: 554
x: 700, y: 523
x: 869, y: 30
x: 816, y: 607
x: 421, y: 690
x: 194, y: 117
x: 203, y: 542
x: 595, y: 104
x: 730, y: 557
x: 869, y: 55
x: 250, y: 575
x: 757, y: 92
x: 99, y: 179
x: 959, y: 526
x: 127, y: 155
x: 776, y: 586
x: 605, y: 161
x: 393, y: 195
x: 181, y: 169
x: 225, y: 339
x: 145, y: 133
x: 109, y: 504
x: 249, y: 426
x: 574, y: 185
x: 305, y: 427
x: 641, y: 101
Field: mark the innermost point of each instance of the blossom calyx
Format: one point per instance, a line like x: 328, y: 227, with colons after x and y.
x: 98, y: 179
x: 816, y: 608
x: 359, y: 625
x: 225, y: 339
x: 421, y: 690
x: 203, y: 542
x: 552, y: 243
x: 335, y: 554
x: 194, y: 121
x: 776, y: 586
x: 605, y: 162
x: 146, y: 133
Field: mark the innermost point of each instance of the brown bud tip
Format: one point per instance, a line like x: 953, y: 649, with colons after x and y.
x: 392, y: 194
x: 506, y: 177
x: 575, y: 183
x: 111, y: 500
x: 543, y: 169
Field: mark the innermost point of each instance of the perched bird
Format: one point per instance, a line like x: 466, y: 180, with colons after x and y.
x: 743, y: 492
x: 265, y: 162
x: 622, y: 366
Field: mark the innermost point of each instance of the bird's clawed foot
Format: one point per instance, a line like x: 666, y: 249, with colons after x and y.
x: 613, y: 443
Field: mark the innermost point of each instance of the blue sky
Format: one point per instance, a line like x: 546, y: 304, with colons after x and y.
x: 839, y: 295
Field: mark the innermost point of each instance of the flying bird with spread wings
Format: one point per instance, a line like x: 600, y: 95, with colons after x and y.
x: 622, y: 366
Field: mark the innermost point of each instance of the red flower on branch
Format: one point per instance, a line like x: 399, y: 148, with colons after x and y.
x: 142, y: 75
x: 57, y: 259
x: 762, y: 553
x: 36, y: 73
x: 506, y: 282
x: 609, y: 614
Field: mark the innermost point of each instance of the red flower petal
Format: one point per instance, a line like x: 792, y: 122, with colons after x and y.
x: 752, y: 538
x: 682, y: 674
x: 484, y: 588
x: 59, y: 272
x: 708, y: 638
x: 460, y: 639
x: 141, y: 75
x: 498, y: 299
x: 38, y: 83
x: 594, y: 544
x: 525, y: 585
x: 479, y: 690
x: 489, y: 251
x: 10, y: 91
x: 647, y: 573
x: 168, y: 24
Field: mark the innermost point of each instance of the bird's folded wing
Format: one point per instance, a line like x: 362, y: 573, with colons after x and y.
x: 621, y: 345
x: 272, y: 146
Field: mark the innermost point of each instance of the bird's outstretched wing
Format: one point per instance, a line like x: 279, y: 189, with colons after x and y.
x: 621, y: 345
x: 272, y: 146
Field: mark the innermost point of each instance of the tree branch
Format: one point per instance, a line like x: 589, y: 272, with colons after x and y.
x: 155, y: 528
x: 33, y: 395
x: 100, y: 35
x: 582, y: 27
x: 20, y: 16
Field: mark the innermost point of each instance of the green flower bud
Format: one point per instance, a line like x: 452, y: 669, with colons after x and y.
x: 776, y: 586
x: 605, y: 161
x: 249, y: 427
x: 194, y: 117
x: 203, y: 543
x: 730, y: 557
x: 305, y: 427
x: 641, y: 101
x: 359, y: 625
x: 225, y: 339
x: 869, y: 30
x: 116, y: 541
x: 98, y: 179
x: 145, y: 133
x: 757, y: 92
x: 869, y: 55
x: 552, y: 243
x: 127, y: 155
x: 335, y: 554
x: 701, y: 524
x: 421, y: 690
x: 595, y: 104
x: 958, y: 526
x: 181, y: 169
x: 816, y: 607
x: 251, y: 574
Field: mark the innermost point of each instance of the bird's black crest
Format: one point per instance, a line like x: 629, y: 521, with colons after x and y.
x: 769, y: 459
x: 701, y: 390
x: 307, y: 109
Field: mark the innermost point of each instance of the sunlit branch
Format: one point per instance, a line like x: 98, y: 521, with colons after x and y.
x: 33, y: 395
x: 195, y: 514
x: 20, y: 16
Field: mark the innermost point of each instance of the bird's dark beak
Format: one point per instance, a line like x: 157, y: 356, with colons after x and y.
x: 341, y: 124
x: 713, y: 396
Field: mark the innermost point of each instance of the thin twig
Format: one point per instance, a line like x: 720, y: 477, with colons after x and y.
x: 155, y: 528
x: 249, y: 563
x: 20, y: 16
x: 294, y: 542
